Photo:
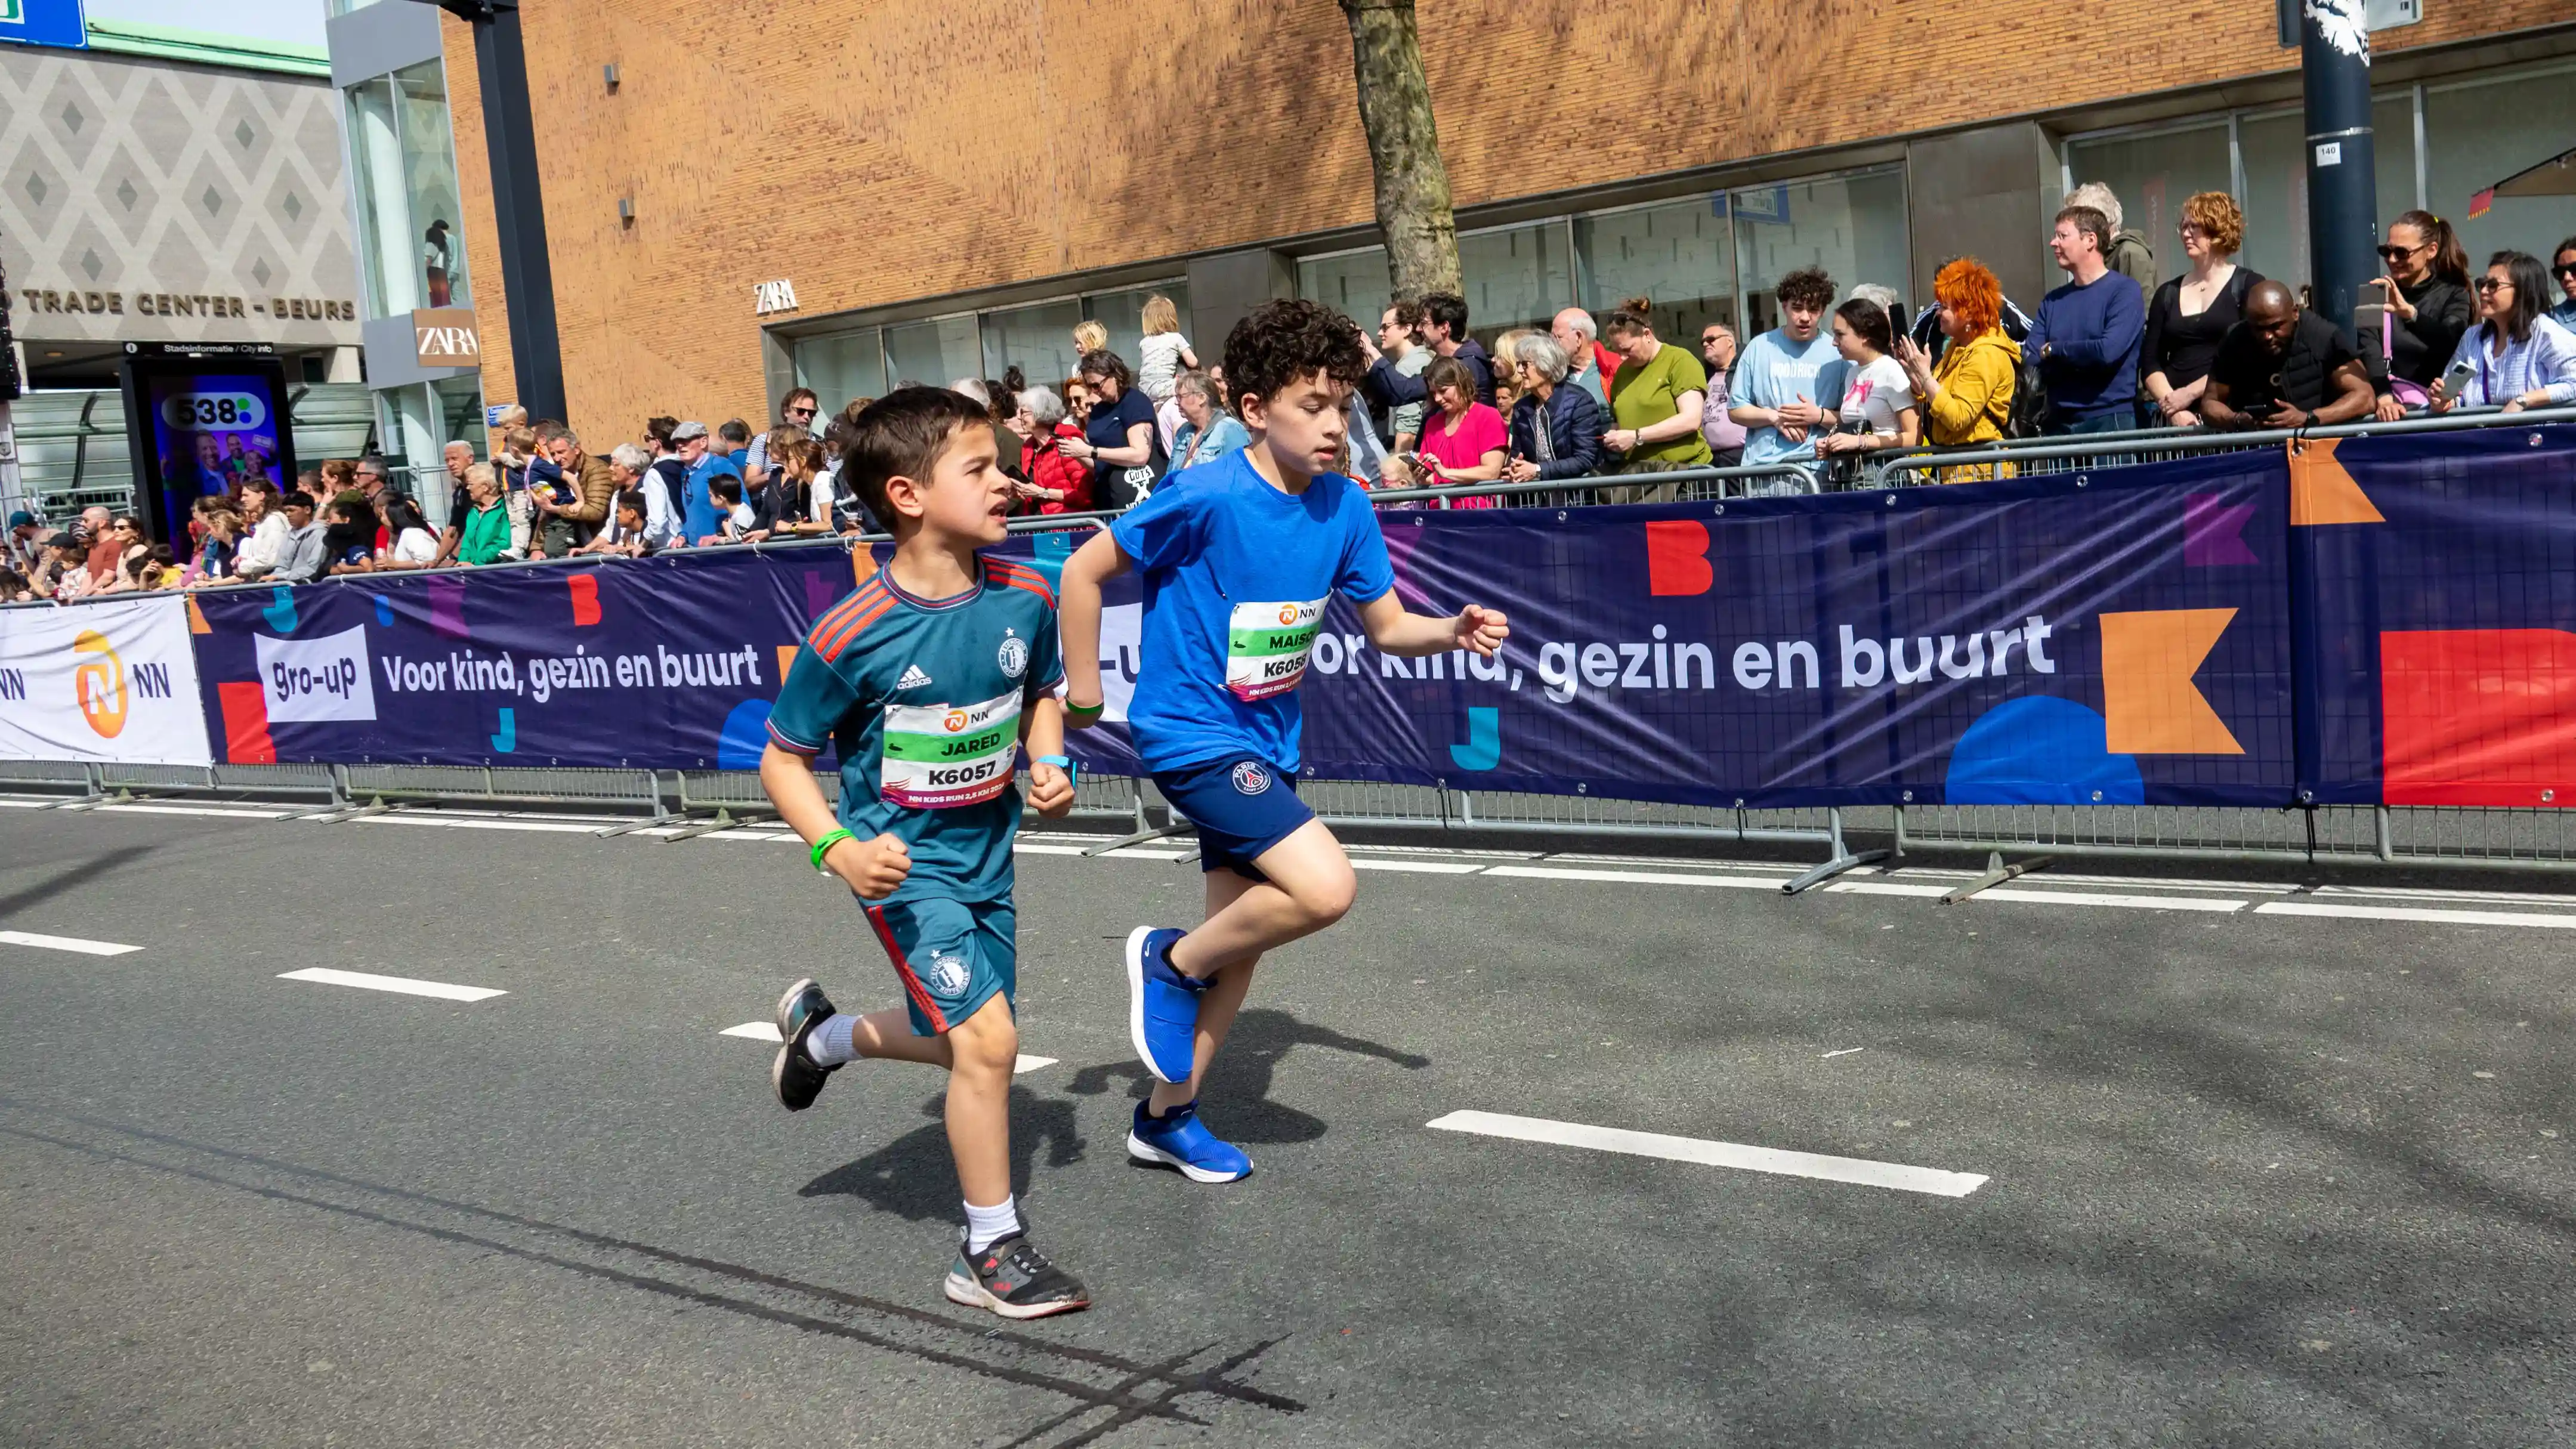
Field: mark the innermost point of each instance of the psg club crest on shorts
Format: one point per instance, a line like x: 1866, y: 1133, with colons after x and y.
x: 1250, y: 778
x: 1014, y: 657
x: 948, y: 973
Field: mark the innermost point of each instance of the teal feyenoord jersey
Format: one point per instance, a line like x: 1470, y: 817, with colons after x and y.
x: 923, y: 697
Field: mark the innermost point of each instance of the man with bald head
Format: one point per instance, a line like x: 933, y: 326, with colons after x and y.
x: 1593, y: 366
x: 2284, y: 366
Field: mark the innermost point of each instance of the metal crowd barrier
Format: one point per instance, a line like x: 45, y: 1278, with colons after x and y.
x: 2096, y: 451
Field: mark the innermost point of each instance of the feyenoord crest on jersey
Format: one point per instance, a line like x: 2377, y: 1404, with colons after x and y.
x: 1014, y: 656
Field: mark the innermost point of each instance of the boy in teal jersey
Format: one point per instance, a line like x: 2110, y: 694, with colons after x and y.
x: 1239, y: 558
x: 927, y: 680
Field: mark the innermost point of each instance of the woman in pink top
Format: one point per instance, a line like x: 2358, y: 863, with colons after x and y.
x: 1465, y: 440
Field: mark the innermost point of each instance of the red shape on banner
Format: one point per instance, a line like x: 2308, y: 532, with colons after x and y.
x: 585, y: 599
x: 2478, y: 717
x: 1677, y: 558
x: 246, y: 740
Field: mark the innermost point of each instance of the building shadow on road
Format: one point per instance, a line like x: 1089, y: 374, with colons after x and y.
x: 914, y: 1176
x: 1242, y: 1076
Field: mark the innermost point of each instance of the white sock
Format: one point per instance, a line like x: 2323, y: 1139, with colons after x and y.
x: 829, y: 1044
x: 987, y: 1225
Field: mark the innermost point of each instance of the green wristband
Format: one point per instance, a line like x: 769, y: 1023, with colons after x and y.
x: 1080, y: 715
x: 824, y: 846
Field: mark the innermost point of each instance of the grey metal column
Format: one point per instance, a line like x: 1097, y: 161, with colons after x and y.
x: 2343, y: 188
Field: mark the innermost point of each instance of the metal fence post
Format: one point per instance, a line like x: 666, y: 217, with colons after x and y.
x: 2387, y: 841
x: 1843, y: 858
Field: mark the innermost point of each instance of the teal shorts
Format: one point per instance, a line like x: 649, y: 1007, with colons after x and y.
x: 952, y: 957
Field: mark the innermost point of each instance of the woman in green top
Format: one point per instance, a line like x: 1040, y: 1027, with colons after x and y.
x: 1655, y: 403
x: 486, y: 535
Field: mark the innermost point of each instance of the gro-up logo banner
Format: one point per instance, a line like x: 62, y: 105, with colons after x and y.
x: 110, y: 681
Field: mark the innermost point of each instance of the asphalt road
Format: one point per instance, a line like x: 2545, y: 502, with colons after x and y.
x: 2253, y: 1177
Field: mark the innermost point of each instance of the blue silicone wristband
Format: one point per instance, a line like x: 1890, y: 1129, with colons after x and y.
x: 1072, y: 771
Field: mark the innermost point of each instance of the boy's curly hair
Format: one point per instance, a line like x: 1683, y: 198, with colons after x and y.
x: 1283, y: 341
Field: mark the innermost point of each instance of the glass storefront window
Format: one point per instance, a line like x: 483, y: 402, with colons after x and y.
x: 1123, y: 314
x: 1680, y: 256
x: 2476, y: 134
x: 409, y: 220
x: 934, y: 352
x: 1358, y: 284
x: 1039, y: 338
x: 842, y: 366
x: 2273, y: 149
x: 1517, y: 277
x: 1852, y: 226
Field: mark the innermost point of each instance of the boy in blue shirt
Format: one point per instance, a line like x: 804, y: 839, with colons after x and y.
x: 926, y: 680
x: 1239, y: 558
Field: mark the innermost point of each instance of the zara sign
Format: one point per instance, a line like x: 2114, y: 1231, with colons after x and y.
x: 444, y: 337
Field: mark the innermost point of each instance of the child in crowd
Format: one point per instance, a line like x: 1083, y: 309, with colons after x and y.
x: 734, y: 517
x: 1240, y: 558
x: 1159, y: 360
x: 927, y: 680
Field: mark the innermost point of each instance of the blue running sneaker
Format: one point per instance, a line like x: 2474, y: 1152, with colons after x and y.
x: 1162, y: 1005
x: 1179, y: 1139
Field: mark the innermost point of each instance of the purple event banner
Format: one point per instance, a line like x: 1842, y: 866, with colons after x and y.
x: 2122, y: 638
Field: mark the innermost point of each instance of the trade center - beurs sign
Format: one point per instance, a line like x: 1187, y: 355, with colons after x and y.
x: 186, y: 304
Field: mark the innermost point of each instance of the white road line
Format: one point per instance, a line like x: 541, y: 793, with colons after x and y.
x: 2432, y: 893
x: 768, y: 1031
x: 1024, y: 848
x: 64, y: 943
x: 749, y: 835
x: 2070, y: 877
x: 2098, y: 898
x: 2417, y: 913
x: 1858, y: 1170
x: 545, y: 826
x: 15, y: 804
x: 1846, y: 1051
x: 1132, y: 854
x: 1886, y: 888
x: 401, y: 984
x: 1417, y: 867
x: 220, y: 814
x: 1637, y: 877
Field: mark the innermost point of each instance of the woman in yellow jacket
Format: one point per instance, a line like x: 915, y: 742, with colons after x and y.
x: 1969, y: 394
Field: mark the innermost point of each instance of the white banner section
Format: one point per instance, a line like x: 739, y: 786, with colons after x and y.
x: 114, y: 680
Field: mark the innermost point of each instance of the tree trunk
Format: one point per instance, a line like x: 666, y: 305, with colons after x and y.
x: 1404, y: 146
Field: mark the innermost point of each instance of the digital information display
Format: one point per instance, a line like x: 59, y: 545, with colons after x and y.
x: 206, y: 428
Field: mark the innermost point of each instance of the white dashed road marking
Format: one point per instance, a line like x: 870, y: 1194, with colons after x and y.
x: 64, y: 943
x: 402, y: 985
x: 1639, y: 877
x: 1858, y: 1170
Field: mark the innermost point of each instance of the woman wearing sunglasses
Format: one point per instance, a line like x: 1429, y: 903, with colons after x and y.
x: 2426, y: 285
x: 2516, y: 357
x: 2562, y: 269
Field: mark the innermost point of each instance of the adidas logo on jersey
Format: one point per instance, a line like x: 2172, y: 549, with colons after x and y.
x: 913, y: 678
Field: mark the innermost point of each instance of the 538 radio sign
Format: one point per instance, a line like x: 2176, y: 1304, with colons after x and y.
x: 215, y: 411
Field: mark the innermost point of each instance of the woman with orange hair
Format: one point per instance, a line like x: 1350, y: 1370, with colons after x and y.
x: 1967, y: 397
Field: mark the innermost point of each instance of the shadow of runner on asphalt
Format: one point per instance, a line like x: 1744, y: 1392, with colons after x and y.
x: 1241, y: 1081
x: 913, y: 1175
x: 79, y: 872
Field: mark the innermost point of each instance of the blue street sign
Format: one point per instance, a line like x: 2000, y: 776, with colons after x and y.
x: 43, y: 22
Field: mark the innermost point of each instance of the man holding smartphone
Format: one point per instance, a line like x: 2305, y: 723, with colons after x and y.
x: 2284, y: 366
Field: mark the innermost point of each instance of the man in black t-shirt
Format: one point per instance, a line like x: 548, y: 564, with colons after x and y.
x: 2283, y: 367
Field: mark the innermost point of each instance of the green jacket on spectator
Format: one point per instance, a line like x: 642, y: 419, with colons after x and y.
x: 486, y: 536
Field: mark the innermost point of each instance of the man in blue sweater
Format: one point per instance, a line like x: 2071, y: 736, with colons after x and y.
x: 2087, y: 334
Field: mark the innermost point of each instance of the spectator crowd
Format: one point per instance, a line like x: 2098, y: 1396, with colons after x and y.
x: 1834, y: 383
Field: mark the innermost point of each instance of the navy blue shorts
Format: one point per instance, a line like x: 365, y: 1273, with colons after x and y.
x: 1242, y: 805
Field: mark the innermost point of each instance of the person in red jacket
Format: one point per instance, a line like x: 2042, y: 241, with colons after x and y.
x: 1056, y: 483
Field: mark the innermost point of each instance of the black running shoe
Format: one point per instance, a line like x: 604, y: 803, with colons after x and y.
x: 796, y: 1077
x: 1013, y: 1279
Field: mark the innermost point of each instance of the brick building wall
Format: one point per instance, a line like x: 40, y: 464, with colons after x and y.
x: 880, y: 152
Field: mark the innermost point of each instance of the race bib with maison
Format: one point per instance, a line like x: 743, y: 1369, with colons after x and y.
x: 940, y: 756
x: 1266, y: 647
